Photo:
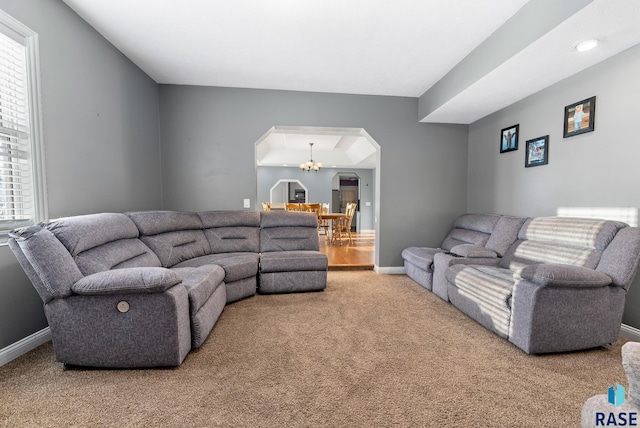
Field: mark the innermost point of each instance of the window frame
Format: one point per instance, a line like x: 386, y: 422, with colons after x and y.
x: 16, y: 30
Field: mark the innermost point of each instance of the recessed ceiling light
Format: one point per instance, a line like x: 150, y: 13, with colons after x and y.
x: 284, y: 164
x: 333, y: 166
x: 587, y: 45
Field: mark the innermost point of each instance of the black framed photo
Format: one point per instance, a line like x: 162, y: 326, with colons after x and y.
x: 509, y: 138
x: 537, y: 152
x: 579, y: 117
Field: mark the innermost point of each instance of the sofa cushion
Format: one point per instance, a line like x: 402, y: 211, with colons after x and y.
x: 504, y: 234
x: 84, y: 232
x: 483, y: 292
x: 200, y: 283
x: 571, y: 232
x: 550, y: 274
x: 233, y: 239
x: 470, y: 229
x: 620, y: 260
x: 288, y: 231
x: 232, y: 231
x: 490, y: 284
x: 464, y: 236
x: 562, y: 240
x: 473, y: 251
x: 213, y: 219
x: 172, y: 236
x: 292, y: 261
x: 292, y: 282
x: 155, y: 222
x: 421, y: 257
x: 123, y: 253
x: 47, y: 262
x: 524, y: 253
x: 480, y: 222
x: 287, y: 219
x: 236, y: 266
x: 175, y: 247
x: 127, y: 281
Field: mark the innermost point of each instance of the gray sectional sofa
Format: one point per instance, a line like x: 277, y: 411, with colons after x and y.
x: 551, y: 285
x: 142, y: 289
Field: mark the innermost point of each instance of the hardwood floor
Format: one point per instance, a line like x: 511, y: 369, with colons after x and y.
x: 359, y: 255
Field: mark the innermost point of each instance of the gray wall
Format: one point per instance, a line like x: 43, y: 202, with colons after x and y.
x: 598, y: 169
x: 208, y: 140
x: 100, y: 134
x: 319, y: 184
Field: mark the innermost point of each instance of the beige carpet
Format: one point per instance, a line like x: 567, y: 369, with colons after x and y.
x: 371, y: 350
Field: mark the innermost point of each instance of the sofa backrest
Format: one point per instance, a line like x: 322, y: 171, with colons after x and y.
x: 232, y: 231
x: 565, y: 240
x: 621, y: 257
x: 288, y: 231
x: 473, y: 229
x: 46, y: 262
x: 100, y: 242
x: 173, y: 236
x: 504, y: 234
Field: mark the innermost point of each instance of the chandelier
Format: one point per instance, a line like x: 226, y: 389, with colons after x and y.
x: 311, y: 165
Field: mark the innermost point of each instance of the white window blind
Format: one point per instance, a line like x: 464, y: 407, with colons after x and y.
x: 22, y: 201
x: 16, y: 196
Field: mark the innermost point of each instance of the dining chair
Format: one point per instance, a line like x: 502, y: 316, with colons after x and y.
x: 266, y: 206
x: 292, y: 207
x: 343, y: 228
x: 313, y: 208
x: 323, y: 224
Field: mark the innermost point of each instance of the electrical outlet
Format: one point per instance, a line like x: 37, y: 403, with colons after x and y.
x: 367, y: 204
x: 247, y: 203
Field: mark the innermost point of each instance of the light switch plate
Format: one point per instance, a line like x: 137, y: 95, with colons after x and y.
x: 247, y: 203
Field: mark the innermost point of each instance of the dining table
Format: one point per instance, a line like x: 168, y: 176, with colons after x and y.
x: 332, y: 217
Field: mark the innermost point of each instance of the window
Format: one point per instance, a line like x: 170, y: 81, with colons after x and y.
x: 22, y: 191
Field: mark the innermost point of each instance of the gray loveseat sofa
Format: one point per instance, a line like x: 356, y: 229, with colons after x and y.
x: 142, y: 289
x: 559, y: 284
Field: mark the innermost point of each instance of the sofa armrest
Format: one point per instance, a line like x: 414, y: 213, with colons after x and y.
x: 473, y: 251
x: 127, y: 281
x: 562, y: 275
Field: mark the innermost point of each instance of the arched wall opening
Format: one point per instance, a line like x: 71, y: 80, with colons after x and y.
x: 344, y: 152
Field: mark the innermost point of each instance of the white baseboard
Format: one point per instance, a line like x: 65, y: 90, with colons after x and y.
x: 25, y: 345
x: 368, y: 231
x: 630, y: 333
x: 389, y: 270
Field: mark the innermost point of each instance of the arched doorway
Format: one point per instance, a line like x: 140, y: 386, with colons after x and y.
x: 343, y: 152
x: 287, y: 190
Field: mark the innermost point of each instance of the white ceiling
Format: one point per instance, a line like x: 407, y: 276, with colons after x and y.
x: 333, y: 147
x: 397, y: 48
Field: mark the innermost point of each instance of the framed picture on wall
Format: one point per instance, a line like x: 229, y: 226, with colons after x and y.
x: 509, y: 138
x: 579, y: 117
x: 537, y: 152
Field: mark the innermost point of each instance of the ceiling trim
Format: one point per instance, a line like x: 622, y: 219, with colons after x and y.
x: 267, y: 149
x: 535, y: 19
